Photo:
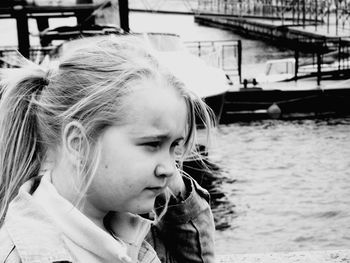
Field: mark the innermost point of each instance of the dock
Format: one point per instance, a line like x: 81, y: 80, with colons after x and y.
x: 283, y: 21
x: 317, y: 28
x: 285, y: 33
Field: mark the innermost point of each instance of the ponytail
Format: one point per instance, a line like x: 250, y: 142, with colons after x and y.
x: 20, y: 148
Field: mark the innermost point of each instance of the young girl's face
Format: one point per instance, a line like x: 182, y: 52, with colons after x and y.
x: 138, y: 157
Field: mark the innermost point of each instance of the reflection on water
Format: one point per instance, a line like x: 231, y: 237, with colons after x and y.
x: 286, y: 185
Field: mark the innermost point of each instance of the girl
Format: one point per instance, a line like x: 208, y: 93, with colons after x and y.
x: 90, y: 158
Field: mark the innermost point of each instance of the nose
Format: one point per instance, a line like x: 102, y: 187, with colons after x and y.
x: 165, y: 169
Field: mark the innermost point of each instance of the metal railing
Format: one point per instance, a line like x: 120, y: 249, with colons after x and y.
x: 329, y: 59
x: 224, y: 54
x: 298, y: 12
x: 9, y: 55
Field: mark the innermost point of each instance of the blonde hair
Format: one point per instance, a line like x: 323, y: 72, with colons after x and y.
x: 88, y: 87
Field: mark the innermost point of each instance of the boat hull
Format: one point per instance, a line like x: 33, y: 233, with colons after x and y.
x: 257, y: 104
x: 216, y: 104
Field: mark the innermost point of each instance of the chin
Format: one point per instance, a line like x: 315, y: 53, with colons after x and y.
x: 144, y: 208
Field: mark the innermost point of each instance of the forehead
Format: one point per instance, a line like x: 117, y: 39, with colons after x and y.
x: 153, y: 107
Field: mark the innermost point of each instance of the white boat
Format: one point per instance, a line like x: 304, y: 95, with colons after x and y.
x: 282, y: 70
x: 277, y: 70
x: 201, y: 78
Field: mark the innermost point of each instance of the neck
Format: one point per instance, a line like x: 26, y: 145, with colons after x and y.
x: 130, y: 229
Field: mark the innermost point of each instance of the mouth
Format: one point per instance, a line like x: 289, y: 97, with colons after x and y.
x: 156, y: 189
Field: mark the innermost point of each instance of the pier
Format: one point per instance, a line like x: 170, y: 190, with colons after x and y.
x: 306, y: 21
x: 320, y: 30
x: 285, y: 33
x: 321, y: 93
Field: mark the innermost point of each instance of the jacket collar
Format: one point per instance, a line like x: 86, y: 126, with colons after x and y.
x: 34, y: 234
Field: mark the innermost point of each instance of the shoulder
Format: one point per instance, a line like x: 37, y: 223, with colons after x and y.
x: 8, y: 252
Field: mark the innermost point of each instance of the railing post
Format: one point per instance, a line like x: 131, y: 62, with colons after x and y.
x: 296, y: 56
x: 304, y: 13
x: 222, y: 57
x: 298, y: 11
x: 282, y: 15
x: 124, y: 15
x: 199, y: 49
x: 239, y: 59
x: 319, y: 62
x: 22, y: 30
x: 316, y: 14
x: 336, y: 17
x: 293, y: 12
x: 339, y: 54
x: 328, y: 14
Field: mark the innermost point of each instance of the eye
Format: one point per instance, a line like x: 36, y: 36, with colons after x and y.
x: 177, y: 148
x: 152, y: 145
x: 175, y: 144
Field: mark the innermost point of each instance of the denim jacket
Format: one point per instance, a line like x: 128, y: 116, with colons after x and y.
x: 185, y: 233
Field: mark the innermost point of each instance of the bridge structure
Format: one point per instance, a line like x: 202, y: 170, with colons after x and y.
x: 326, y: 13
x: 165, y: 6
x: 329, y: 14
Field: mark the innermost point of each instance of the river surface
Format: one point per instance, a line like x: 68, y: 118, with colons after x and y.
x: 286, y: 184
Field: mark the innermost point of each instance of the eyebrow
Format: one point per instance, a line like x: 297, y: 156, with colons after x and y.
x: 159, y: 137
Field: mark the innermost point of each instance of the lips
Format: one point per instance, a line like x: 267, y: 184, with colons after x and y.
x: 156, y: 189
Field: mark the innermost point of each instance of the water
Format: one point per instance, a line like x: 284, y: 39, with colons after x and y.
x: 286, y: 184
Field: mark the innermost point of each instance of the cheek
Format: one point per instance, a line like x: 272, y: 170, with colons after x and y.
x: 111, y: 161
x: 127, y: 172
x: 123, y: 175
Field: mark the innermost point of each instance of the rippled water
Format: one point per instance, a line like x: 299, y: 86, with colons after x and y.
x: 287, y: 185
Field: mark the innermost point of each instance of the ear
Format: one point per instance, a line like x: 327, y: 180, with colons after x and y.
x: 74, y: 141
